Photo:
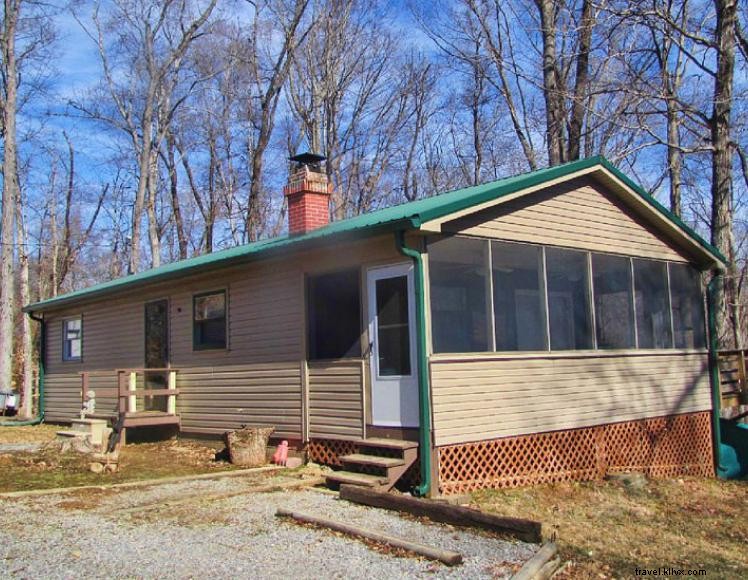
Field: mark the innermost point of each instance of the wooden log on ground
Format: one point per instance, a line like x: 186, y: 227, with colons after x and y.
x: 548, y: 570
x: 536, y: 565
x: 526, y: 530
x: 445, y: 556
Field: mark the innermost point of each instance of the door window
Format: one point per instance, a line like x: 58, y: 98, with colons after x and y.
x: 393, y: 330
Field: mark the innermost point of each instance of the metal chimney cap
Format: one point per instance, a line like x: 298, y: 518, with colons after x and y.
x: 308, y: 158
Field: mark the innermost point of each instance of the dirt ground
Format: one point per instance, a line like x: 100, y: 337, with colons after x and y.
x: 46, y: 468
x: 607, y: 529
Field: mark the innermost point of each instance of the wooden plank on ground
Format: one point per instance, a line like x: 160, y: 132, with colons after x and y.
x: 526, y: 530
x: 542, y: 565
x: 446, y: 556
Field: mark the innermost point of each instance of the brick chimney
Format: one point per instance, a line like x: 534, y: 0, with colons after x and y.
x: 308, y: 193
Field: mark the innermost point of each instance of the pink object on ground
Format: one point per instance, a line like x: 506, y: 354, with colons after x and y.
x: 281, y: 454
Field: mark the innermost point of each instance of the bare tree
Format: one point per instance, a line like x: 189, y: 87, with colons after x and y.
x: 722, y: 198
x: 25, y: 37
x: 9, y: 105
x: 269, y: 71
x: 140, y: 72
x: 26, y: 349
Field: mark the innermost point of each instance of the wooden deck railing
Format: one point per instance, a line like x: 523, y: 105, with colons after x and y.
x: 126, y: 391
x: 732, y: 377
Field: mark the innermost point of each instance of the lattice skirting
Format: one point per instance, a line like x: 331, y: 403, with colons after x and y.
x: 329, y: 451
x: 660, y: 447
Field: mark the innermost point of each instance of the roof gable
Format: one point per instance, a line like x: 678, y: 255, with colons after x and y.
x: 580, y: 214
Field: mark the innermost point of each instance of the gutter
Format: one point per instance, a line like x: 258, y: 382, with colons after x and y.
x: 717, y: 277
x: 424, y: 396
x: 42, y: 349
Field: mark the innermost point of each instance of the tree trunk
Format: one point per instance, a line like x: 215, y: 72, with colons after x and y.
x: 176, y: 207
x: 154, y: 233
x: 722, y: 206
x: 551, y: 90
x: 674, y: 157
x: 27, y: 350
x: 10, y: 192
x: 138, y: 207
x: 579, y: 108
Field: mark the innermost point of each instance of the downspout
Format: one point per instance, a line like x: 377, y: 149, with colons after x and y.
x: 42, y: 349
x: 424, y: 396
x: 714, y: 367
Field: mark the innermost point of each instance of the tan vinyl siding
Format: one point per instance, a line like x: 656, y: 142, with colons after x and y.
x: 336, y: 399
x: 104, y: 384
x: 221, y: 389
x: 578, y: 214
x: 217, y: 399
x: 62, y: 396
x: 489, y: 396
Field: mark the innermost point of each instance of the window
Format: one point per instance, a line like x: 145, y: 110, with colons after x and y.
x: 334, y: 315
x: 209, y: 321
x: 652, y: 304
x: 614, y: 313
x: 569, y: 310
x: 688, y: 307
x: 458, y: 269
x: 72, y: 339
x: 518, y: 296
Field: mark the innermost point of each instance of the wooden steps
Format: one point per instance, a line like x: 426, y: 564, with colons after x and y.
x: 378, y: 463
x: 353, y: 478
x: 375, y: 460
x: 399, y: 444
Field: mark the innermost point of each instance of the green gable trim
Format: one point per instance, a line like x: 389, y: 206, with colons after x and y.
x: 399, y: 217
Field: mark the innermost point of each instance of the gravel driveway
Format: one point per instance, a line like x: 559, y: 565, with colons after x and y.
x: 131, y: 533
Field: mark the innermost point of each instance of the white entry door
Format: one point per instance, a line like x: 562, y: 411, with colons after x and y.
x: 394, y: 365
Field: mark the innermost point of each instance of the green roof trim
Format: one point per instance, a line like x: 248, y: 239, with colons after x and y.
x: 399, y: 217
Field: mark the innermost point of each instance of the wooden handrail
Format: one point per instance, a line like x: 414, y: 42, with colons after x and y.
x: 126, y: 389
x: 730, y: 352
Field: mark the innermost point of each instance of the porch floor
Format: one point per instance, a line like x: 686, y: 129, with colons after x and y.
x: 141, y: 418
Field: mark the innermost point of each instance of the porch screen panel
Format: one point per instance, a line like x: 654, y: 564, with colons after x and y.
x: 569, y: 308
x: 458, y: 273
x: 518, y: 297
x: 614, y: 311
x: 688, y: 307
x: 334, y: 315
x: 652, y: 304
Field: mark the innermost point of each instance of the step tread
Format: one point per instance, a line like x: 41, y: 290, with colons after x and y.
x: 81, y: 434
x: 357, y: 478
x: 388, y: 443
x: 375, y: 460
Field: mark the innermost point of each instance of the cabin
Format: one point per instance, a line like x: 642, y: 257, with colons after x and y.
x: 545, y: 327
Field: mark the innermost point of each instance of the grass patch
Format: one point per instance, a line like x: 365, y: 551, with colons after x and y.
x: 47, y: 469
x: 606, y: 530
x: 29, y: 434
